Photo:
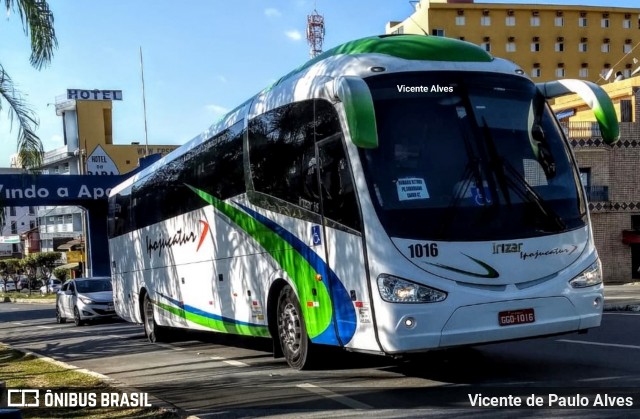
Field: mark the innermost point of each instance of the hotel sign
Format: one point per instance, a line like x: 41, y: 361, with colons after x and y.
x: 79, y: 94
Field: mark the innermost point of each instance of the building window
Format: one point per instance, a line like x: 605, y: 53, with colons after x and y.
x: 511, y: 47
x: 486, y: 46
x: 535, y: 46
x: 582, y: 22
x: 32, y: 224
x: 604, y: 22
x: 14, y: 227
x: 584, y: 73
x: 437, y: 32
x: 12, y: 211
x: 559, y: 21
x: 65, y: 168
x: 460, y: 20
x: 559, y: 72
x: 32, y: 210
x: 582, y: 47
x: 398, y: 31
x: 559, y: 46
x: 535, y: 21
x: 604, y: 47
x: 510, y: 21
x: 535, y: 73
x: 626, y: 48
x: 626, y: 73
x: 14, y: 248
x: 626, y: 24
x: 485, y: 20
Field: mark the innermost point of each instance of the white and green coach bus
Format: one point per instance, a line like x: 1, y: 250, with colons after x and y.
x: 395, y: 194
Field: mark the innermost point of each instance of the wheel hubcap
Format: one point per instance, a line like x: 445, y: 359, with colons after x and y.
x: 290, y: 329
x: 148, y: 317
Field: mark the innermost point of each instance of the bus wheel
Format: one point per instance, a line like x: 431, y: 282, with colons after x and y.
x: 291, y: 330
x: 153, y: 332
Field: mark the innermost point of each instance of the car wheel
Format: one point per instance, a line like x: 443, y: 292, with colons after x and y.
x: 76, y: 317
x: 59, y: 318
x: 153, y: 332
x: 292, y: 332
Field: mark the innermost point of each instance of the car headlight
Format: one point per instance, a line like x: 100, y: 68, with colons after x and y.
x: 86, y: 300
x: 589, y: 277
x: 398, y: 290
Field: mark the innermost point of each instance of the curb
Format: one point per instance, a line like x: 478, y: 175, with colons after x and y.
x: 159, y: 403
x: 27, y: 300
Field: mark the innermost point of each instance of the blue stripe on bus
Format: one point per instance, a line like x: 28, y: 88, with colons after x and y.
x: 341, y: 300
x: 207, y: 314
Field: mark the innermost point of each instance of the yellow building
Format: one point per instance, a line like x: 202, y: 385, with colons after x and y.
x: 547, y: 41
x: 88, y: 129
x: 88, y: 149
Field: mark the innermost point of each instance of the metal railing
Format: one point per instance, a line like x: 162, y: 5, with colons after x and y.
x: 578, y: 130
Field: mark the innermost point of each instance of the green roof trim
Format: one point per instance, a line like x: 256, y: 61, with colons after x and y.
x: 408, y: 47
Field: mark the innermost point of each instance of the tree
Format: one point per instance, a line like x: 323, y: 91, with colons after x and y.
x: 37, y: 22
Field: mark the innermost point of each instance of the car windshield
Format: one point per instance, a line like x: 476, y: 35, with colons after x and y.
x: 469, y: 156
x: 93, y: 285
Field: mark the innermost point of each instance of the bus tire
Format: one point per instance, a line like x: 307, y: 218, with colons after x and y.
x: 292, y: 332
x: 152, y: 331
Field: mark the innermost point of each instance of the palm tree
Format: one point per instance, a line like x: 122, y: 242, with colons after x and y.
x: 37, y: 22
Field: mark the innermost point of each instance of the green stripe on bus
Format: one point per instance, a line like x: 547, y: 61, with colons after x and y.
x: 303, y: 275
x: 218, y: 325
x: 408, y: 47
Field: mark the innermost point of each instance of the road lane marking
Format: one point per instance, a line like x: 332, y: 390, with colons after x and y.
x: 614, y: 345
x: 328, y: 394
x: 231, y: 362
x: 19, y: 324
x: 45, y: 327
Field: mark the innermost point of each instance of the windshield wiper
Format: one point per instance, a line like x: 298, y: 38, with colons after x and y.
x: 517, y: 182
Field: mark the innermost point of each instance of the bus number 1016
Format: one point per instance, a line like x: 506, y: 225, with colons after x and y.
x: 425, y: 250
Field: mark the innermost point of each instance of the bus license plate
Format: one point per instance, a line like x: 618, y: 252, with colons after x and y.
x: 509, y: 318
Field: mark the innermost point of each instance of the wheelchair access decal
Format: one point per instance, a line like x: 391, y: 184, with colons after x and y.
x: 316, y: 238
x: 482, y: 196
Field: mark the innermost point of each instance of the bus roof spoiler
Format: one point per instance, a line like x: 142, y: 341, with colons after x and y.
x: 594, y: 96
x: 354, y: 93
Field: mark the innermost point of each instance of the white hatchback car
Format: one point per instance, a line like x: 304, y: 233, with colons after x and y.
x: 52, y: 286
x: 7, y: 286
x: 84, y: 299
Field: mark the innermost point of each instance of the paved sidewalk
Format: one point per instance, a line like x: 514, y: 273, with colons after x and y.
x: 622, y: 297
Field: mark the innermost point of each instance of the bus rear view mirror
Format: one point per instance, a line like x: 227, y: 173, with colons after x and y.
x: 354, y: 94
x: 594, y: 96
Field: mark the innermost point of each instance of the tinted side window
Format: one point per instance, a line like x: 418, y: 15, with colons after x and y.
x: 297, y: 155
x: 215, y: 166
x: 339, y: 200
x: 119, y: 213
x: 282, y: 150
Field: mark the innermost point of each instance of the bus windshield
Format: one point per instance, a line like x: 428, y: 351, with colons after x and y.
x: 469, y: 156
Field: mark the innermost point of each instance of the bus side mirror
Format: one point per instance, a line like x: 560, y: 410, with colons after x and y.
x: 594, y: 96
x: 354, y: 94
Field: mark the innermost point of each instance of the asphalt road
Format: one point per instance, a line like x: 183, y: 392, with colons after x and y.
x: 212, y: 375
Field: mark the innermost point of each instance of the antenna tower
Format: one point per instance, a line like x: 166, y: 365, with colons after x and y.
x: 315, y: 33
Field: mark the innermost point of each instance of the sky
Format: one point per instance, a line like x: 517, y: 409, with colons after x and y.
x: 201, y: 57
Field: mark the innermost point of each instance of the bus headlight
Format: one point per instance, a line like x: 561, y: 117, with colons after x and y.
x: 398, y: 290
x: 589, y: 277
